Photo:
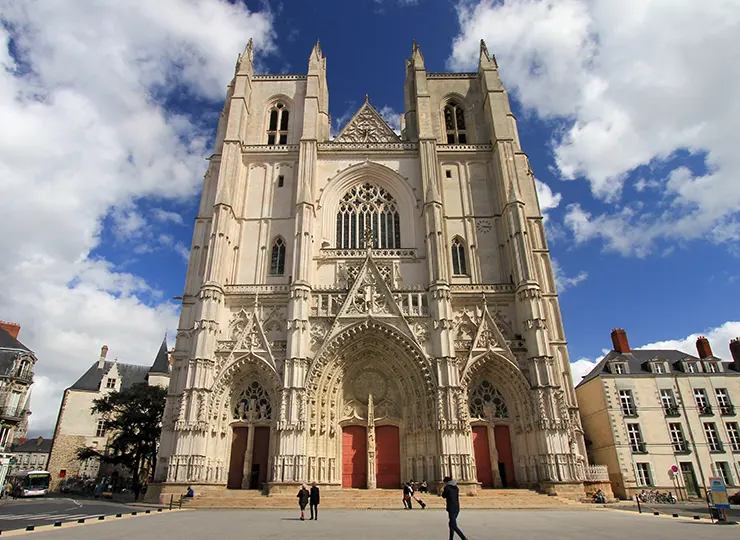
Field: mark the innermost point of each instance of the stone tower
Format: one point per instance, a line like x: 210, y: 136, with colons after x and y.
x: 371, y: 307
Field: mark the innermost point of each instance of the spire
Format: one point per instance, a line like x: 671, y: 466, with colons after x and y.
x: 245, y: 61
x: 162, y: 360
x: 316, y: 59
x: 485, y: 60
x: 417, y: 59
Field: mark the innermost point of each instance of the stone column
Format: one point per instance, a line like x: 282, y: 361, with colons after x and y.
x: 371, y: 472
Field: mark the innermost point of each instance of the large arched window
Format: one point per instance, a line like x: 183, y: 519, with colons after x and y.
x: 487, y: 402
x: 368, y: 208
x: 277, y: 130
x: 455, y: 124
x: 277, y: 259
x: 459, y: 263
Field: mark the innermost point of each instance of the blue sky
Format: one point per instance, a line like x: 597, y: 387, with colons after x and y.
x: 627, y: 113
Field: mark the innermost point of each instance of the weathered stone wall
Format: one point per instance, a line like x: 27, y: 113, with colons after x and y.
x: 64, y: 457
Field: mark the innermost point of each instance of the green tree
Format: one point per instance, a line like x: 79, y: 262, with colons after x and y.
x: 133, y: 417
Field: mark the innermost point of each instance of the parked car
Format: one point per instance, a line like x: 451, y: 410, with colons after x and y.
x: 734, y: 499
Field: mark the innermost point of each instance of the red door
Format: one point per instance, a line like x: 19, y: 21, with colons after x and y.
x: 505, y: 458
x: 260, y: 455
x: 387, y: 457
x: 354, y: 457
x: 482, y: 452
x: 236, y: 464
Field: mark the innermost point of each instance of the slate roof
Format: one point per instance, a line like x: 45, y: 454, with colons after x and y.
x: 34, y: 445
x: 130, y: 374
x: 162, y: 361
x: 10, y: 347
x: 637, y: 360
x: 9, y: 342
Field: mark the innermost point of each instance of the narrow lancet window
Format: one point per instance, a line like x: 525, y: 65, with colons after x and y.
x: 277, y: 261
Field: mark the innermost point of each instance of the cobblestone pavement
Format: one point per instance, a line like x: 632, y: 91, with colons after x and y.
x: 397, y: 525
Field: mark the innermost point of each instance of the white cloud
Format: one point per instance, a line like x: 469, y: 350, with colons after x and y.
x: 635, y: 82
x: 563, y: 281
x: 165, y: 216
x: 719, y: 339
x: 392, y: 117
x: 548, y: 200
x: 86, y: 135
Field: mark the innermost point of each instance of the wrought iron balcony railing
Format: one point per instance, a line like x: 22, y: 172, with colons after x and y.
x: 727, y: 410
x: 671, y: 411
x: 706, y: 410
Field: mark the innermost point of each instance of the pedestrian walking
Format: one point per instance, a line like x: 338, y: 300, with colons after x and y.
x: 451, y: 495
x: 314, y: 500
x: 303, y: 497
x: 407, y: 491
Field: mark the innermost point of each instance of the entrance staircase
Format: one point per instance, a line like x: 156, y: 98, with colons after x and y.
x: 382, y: 499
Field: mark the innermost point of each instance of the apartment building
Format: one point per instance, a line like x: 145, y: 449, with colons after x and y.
x: 645, y: 411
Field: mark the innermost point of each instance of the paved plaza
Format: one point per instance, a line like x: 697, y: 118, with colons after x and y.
x: 391, y: 524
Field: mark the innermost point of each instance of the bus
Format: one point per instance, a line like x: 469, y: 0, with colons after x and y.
x: 30, y: 483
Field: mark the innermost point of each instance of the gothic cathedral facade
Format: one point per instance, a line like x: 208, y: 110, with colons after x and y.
x: 372, y: 307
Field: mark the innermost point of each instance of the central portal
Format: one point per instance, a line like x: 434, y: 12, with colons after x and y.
x: 354, y: 457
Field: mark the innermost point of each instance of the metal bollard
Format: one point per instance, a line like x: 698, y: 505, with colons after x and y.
x: 171, y: 499
x: 57, y: 523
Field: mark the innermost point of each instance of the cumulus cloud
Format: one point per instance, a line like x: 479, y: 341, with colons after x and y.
x: 87, y: 136
x: 392, y: 117
x: 719, y: 339
x: 564, y: 281
x: 633, y: 83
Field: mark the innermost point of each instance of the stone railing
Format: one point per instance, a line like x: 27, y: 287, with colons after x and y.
x: 597, y: 473
x: 349, y: 253
x: 328, y: 304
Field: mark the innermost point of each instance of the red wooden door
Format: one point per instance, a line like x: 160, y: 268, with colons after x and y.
x: 354, y: 457
x: 482, y: 452
x: 236, y: 463
x: 260, y: 456
x: 505, y: 458
x: 387, y: 457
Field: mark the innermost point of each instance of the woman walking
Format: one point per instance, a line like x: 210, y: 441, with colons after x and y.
x: 303, y: 500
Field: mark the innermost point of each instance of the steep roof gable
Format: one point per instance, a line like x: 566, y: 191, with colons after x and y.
x: 9, y: 342
x: 367, y: 126
x: 162, y: 361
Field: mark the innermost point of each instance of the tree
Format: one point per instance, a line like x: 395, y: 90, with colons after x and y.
x: 133, y: 417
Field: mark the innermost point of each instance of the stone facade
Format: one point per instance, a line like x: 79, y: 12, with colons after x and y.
x: 374, y: 307
x: 77, y: 426
x: 16, y: 377
x: 645, y: 411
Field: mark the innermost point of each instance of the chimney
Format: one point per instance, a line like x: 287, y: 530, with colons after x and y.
x: 735, y: 351
x: 103, y: 354
x: 619, y: 340
x: 703, y: 348
x: 11, y: 328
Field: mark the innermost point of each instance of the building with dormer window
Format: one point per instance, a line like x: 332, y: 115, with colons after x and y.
x: 77, y: 426
x: 645, y: 411
x: 16, y: 377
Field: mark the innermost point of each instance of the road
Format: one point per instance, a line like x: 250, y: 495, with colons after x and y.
x: 20, y: 513
x: 395, y: 524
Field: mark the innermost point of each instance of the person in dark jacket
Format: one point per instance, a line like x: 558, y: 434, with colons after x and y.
x: 303, y: 500
x: 315, y: 499
x: 407, y: 491
x: 451, y: 494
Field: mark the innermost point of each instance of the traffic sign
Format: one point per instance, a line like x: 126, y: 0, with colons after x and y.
x: 719, y: 492
x: 674, y: 468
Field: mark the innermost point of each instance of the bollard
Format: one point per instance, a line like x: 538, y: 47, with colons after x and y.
x: 101, y: 518
x: 180, y: 502
x: 697, y: 517
x: 656, y: 513
x: 57, y: 523
x: 675, y: 515
x: 148, y: 512
x: 30, y: 528
x: 159, y: 509
x: 80, y: 521
x: 134, y: 513
x: 639, y: 508
x: 171, y: 499
x: 118, y: 515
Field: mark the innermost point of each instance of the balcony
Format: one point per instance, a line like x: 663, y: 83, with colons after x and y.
x: 12, y: 413
x: 716, y: 448
x: 629, y: 412
x: 681, y: 448
x: 672, y: 411
x: 705, y: 410
x: 638, y: 448
x: 727, y: 410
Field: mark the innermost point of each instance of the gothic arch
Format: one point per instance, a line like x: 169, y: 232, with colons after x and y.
x: 509, y: 380
x: 379, y: 175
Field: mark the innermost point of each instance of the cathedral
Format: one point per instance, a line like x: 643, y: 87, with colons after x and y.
x: 371, y: 307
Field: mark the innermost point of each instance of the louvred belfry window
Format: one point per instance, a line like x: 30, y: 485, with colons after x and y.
x: 277, y: 132
x: 455, y: 124
x: 368, y: 207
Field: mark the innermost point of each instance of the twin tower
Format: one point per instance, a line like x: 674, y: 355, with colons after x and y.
x: 373, y: 307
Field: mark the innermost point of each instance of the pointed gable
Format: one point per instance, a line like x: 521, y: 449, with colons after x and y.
x: 367, y: 126
x: 162, y: 361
